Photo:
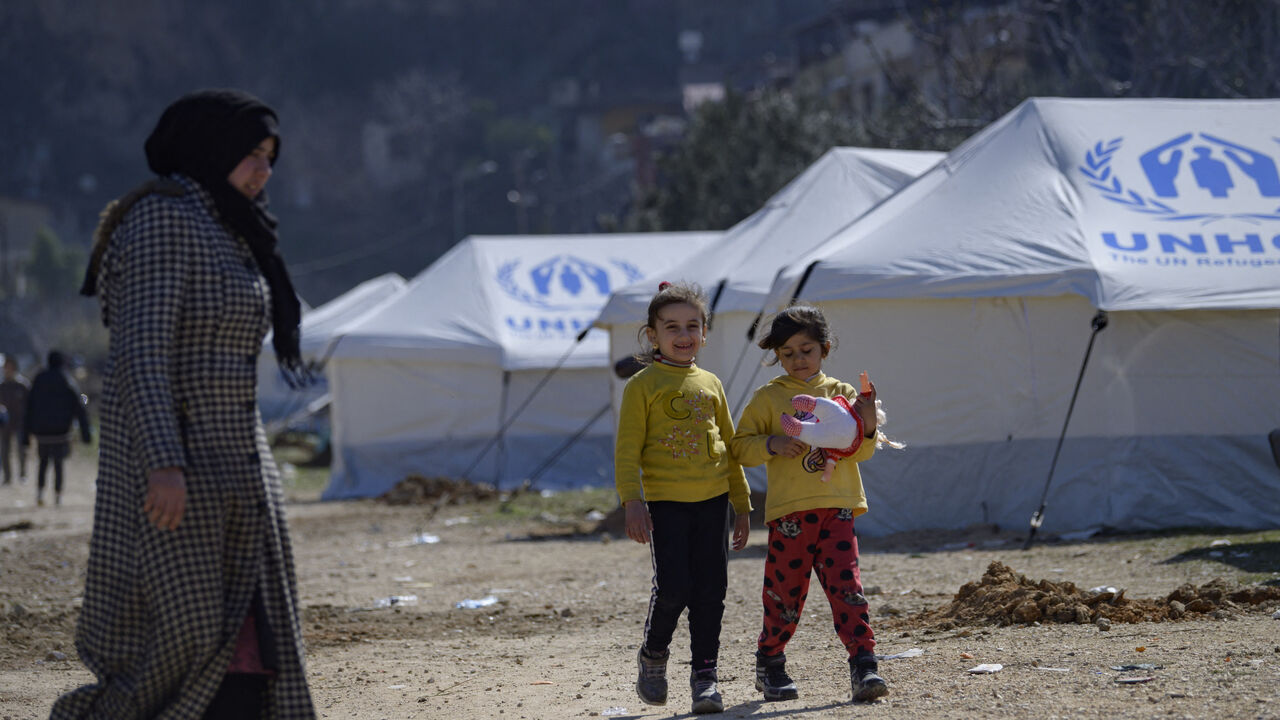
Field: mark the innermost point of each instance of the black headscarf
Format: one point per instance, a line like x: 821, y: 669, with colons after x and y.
x: 205, y: 135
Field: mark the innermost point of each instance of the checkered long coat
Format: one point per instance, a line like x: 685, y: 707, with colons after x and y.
x: 187, y: 311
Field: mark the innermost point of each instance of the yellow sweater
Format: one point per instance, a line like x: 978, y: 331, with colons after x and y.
x: 796, y: 484
x: 672, y: 443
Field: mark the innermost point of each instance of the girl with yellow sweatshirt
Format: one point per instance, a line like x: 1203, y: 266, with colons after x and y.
x: 676, y: 480
x: 810, y: 519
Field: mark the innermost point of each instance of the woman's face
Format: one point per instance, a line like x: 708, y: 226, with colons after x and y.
x: 253, y: 172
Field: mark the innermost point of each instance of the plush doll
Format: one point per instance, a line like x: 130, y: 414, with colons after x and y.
x: 835, y: 427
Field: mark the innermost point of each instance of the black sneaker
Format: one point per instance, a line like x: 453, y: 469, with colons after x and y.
x: 706, y: 693
x: 651, y: 684
x: 772, y: 678
x: 867, y: 685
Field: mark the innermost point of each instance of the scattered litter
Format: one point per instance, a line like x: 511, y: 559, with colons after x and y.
x: 966, y: 656
x: 1220, y: 542
x: 542, y: 682
x: 913, y: 652
x: 547, y: 493
x: 597, y: 516
x: 986, y: 669
x: 483, y: 602
x: 396, y: 601
x: 908, y: 591
x: 397, y: 687
x: 1050, y: 669
x: 1139, y: 666
x: 419, y: 585
x: 1134, y: 680
x: 419, y: 539
x: 1141, y: 648
x: 615, y: 710
x: 1105, y: 589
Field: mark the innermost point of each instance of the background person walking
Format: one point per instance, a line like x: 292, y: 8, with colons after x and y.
x: 13, y: 396
x: 53, y: 403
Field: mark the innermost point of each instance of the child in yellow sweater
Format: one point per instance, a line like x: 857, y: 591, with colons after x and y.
x: 676, y: 480
x: 810, y: 519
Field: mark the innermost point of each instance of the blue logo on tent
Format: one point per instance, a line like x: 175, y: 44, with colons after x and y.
x: 1208, y: 170
x: 564, y: 282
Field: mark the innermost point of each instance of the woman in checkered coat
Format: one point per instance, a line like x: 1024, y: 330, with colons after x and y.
x: 190, y: 604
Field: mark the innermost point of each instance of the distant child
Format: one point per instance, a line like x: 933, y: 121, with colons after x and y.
x: 810, y: 520
x: 676, y: 480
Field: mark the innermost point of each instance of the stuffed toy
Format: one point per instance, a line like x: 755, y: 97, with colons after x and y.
x: 835, y: 428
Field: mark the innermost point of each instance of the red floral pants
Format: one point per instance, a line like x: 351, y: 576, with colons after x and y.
x: 823, y: 541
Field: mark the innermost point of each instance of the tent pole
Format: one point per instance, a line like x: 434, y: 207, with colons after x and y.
x: 502, y: 446
x: 546, y: 464
x: 715, y: 300
x: 751, y: 333
x: 755, y: 325
x: 466, y: 475
x: 1098, y: 322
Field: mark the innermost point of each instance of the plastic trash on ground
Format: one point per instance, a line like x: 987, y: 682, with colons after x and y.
x: 986, y: 669
x: 913, y: 652
x: 615, y: 710
x: 476, y: 604
x: 396, y: 601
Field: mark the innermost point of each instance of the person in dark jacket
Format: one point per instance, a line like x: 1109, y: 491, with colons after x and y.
x: 52, y: 404
x: 13, y: 396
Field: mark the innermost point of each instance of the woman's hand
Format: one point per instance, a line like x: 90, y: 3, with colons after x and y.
x: 786, y: 446
x: 639, y: 524
x: 741, y: 531
x: 166, y: 497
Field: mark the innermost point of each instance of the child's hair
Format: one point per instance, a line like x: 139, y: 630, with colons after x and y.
x: 809, y: 320
x: 796, y: 319
x: 669, y: 294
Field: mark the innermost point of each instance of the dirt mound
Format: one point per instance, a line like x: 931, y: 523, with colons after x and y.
x: 437, y: 491
x: 1004, y: 597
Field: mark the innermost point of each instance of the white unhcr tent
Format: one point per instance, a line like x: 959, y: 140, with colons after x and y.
x: 738, y: 270
x: 425, y: 384
x: 276, y: 400
x: 968, y: 297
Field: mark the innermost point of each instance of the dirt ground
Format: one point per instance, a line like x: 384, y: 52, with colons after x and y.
x: 559, y: 639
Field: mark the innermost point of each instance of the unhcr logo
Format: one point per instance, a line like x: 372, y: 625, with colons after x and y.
x: 1192, y: 177
x: 564, y: 282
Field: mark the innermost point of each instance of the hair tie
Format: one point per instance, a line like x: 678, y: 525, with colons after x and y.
x: 663, y: 285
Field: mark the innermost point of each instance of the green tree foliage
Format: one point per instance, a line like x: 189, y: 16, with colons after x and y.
x: 53, y: 270
x: 736, y: 154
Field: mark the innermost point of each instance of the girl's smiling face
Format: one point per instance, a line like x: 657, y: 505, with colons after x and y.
x: 679, y: 332
x: 801, y: 356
